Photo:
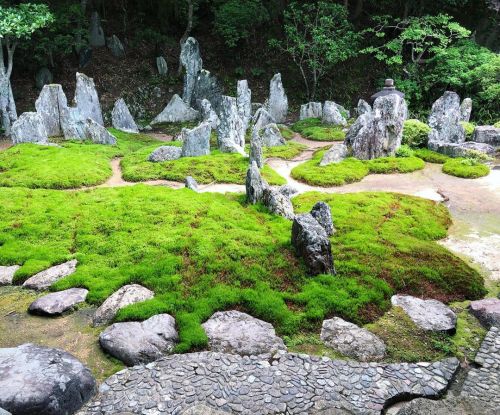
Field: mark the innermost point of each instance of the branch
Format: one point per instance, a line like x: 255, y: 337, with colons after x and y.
x: 11, y: 48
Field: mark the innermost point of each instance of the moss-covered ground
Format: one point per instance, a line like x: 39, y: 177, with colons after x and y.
x: 314, y: 129
x: 465, y: 168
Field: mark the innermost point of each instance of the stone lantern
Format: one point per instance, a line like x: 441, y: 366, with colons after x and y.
x: 388, y: 89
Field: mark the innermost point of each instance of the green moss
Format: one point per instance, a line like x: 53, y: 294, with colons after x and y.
x: 415, y: 133
x: 469, y: 130
x: 314, y: 129
x: 286, y: 132
x: 311, y: 344
x: 497, y: 124
x: 395, y: 165
x: 174, y: 128
x: 430, y: 156
x: 466, y: 168
x: 287, y: 152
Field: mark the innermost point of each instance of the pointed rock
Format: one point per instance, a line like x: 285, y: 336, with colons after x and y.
x: 335, y: 154
x: 230, y: 134
x: 161, y: 66
x: 465, y: 110
x: 208, y: 114
x: 98, y: 134
x: 50, y: 103
x: 122, y: 119
x: 58, y: 302
x: 256, y: 154
x: 278, y: 101
x: 45, y: 279
x: 278, y: 203
x: 192, y: 63
x: 87, y: 100
x: 29, y: 128
x: 191, y: 184
x: 115, y: 45
x: 363, y: 107
x: 444, y: 119
x: 255, y: 184
x: 323, y: 214
x: 96, y: 34
x: 176, y: 111
x: 244, y: 103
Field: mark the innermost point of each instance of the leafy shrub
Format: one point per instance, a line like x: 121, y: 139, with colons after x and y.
x: 467, y: 168
x: 469, y: 130
x: 415, y: 133
x: 405, y: 151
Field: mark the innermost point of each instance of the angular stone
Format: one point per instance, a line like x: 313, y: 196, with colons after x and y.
x: 256, y: 154
x: 444, y: 119
x: 277, y: 105
x: 240, y: 333
x: 7, y: 274
x: 98, y: 134
x: 74, y: 127
x: 487, y: 134
x: 122, y: 119
x: 192, y: 63
x: 335, y: 154
x: 262, y: 118
x: 43, y: 77
x: 176, y: 111
x: 288, y: 190
x: 465, y: 110
x: 487, y: 311
x: 311, y: 243
x: 332, y: 114
x: 363, y: 107
x: 115, y: 45
x: 311, y: 110
x: 351, y: 340
x: 58, y: 302
x: 165, y: 153
x: 430, y: 315
x: 41, y: 380
x: 208, y: 87
x: 244, y: 103
x: 49, y: 105
x: 126, y: 295
x: 323, y: 214
x: 196, y: 142
x: 230, y: 132
x: 29, y: 128
x: 96, y: 34
x: 271, y: 136
x: 254, y: 184
x: 138, y: 343
x: 45, y: 279
x: 161, y: 66
x: 466, y: 149
x: 87, y: 100
x: 208, y: 114
x: 191, y: 184
x: 278, y: 203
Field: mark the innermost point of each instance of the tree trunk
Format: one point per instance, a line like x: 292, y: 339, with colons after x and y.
x: 7, y: 105
x: 187, y: 32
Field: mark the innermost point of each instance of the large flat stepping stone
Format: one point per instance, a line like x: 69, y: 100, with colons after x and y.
x: 351, y: 340
x: 240, y: 333
x: 134, y: 342
x: 126, y: 295
x: 487, y: 311
x: 7, y: 274
x: 430, y: 315
x: 452, y: 405
x: 45, y: 279
x: 58, y: 302
x: 41, y: 380
x: 284, y: 384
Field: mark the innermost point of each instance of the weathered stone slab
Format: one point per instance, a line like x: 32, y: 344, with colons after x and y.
x: 122, y: 119
x: 7, y: 274
x: 311, y: 110
x: 335, y: 154
x: 192, y: 63
x: 487, y: 134
x: 255, y: 184
x: 278, y: 203
x: 45, y: 279
x: 29, y: 128
x: 98, y: 134
x: 277, y: 105
x: 49, y: 105
x: 126, y: 295
x: 487, y: 311
x: 41, y: 380
x: 332, y: 114
x: 444, y: 119
x: 176, y: 111
x: 115, y: 45
x: 58, y: 302
x: 323, y: 214
x: 87, y: 100
x: 196, y: 142
x: 230, y: 132
x: 165, y: 153
x: 466, y: 149
x: 271, y: 136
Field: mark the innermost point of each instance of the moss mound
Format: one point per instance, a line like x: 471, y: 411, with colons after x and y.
x: 314, y: 129
x: 415, y: 133
x: 465, y: 168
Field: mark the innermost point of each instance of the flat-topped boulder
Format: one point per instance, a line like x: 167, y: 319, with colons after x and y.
x: 351, y: 340
x: 196, y: 142
x: 430, y: 315
x: 7, y: 274
x: 277, y: 104
x: 29, y: 128
x: 58, y: 302
x: 44, y: 279
x: 487, y: 134
x: 122, y: 119
x: 335, y: 154
x: 467, y: 149
x: 40, y: 380
x: 126, y: 295
x: 176, y: 111
x: 165, y: 153
x: 487, y: 311
x: 98, y: 134
x: 311, y: 110
x: 240, y: 333
x: 87, y: 100
x: 140, y: 342
x: 49, y: 105
x: 332, y: 114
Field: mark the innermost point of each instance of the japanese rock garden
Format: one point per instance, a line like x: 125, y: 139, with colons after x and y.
x: 249, y: 207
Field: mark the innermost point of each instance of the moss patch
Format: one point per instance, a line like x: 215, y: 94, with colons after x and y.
x: 465, y: 168
x: 286, y: 132
x: 415, y: 133
x: 287, y: 152
x: 314, y: 129
x: 430, y: 156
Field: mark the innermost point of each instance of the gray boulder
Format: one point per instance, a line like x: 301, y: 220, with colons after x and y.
x: 277, y: 105
x: 191, y: 184
x: 323, y: 214
x: 122, y: 119
x: 208, y: 114
x: 208, y: 87
x: 466, y: 149
x: 29, y: 128
x: 262, y: 118
x: 244, y: 103
x: 176, y: 111
x: 430, y: 315
x: 43, y: 77
x: 278, y: 203
x: 487, y: 311
x: 49, y: 104
x: 254, y: 184
x: 444, y: 119
x: 363, y: 107
x: 40, y: 380
x: 196, y: 142
x: 311, y: 110
x: 115, y: 45
x: 271, y: 136
x: 311, y: 242
x: 192, y: 63
x: 137, y: 343
x: 465, y: 110
x: 96, y: 34
x: 74, y: 127
x: 7, y: 274
x: 126, y: 295
x: 332, y: 114
x: 288, y: 190
x: 335, y: 154
x: 256, y: 153
x: 87, y: 100
x: 165, y: 153
x: 161, y: 66
x: 239, y: 333
x: 378, y: 133
x: 487, y: 134
x: 351, y: 340
x: 59, y: 302
x: 45, y: 279
x: 98, y: 134
x: 230, y: 132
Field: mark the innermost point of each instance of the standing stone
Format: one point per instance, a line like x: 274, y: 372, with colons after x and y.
x: 165, y: 153
x: 323, y: 214
x: 207, y: 87
x: 45, y: 279
x: 256, y: 154
x: 161, y: 66
x: 351, y: 340
x: 271, y: 136
x: 262, y: 118
x: 192, y: 63
x: 29, y: 128
x: 49, y: 105
x: 487, y: 134
x: 176, y: 111
x: 278, y: 203
x: 278, y: 101
x: 335, y: 154
x: 87, y: 100
x: 311, y: 242
x: 43, y: 77
x: 58, y: 302
x: 122, y: 119
x: 363, y: 107
x: 244, y: 102
x: 96, y: 34
x: 208, y: 114
x: 84, y: 57
x: 444, y: 119
x: 230, y: 134
x: 7, y: 274
x: 254, y: 184
x: 115, y: 45
x: 311, y: 110
x: 191, y: 184
x: 465, y: 110
x: 73, y: 125
x: 332, y: 114
x: 98, y: 134
x: 196, y: 142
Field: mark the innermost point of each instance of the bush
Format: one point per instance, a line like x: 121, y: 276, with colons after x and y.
x: 467, y: 168
x: 405, y: 151
x: 415, y: 133
x: 469, y: 130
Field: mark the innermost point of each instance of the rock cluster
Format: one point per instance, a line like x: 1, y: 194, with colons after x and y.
x: 122, y: 119
x: 45, y: 279
x: 58, y: 302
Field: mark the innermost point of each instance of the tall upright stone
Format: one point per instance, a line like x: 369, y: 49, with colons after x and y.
x: 208, y: 114
x: 230, y: 134
x: 122, y: 119
x: 255, y: 184
x: 196, y: 142
x: 256, y: 154
x: 87, y: 100
x: 261, y: 119
x: 208, y: 87
x: 363, y: 107
x: 29, y: 128
x: 444, y: 119
x: 311, y: 110
x: 50, y: 103
x: 96, y: 33
x: 192, y: 63
x: 244, y: 102
x: 161, y: 66
x: 465, y: 110
x: 332, y: 114
x: 277, y: 105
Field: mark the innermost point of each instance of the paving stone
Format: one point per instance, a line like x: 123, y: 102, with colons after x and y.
x: 45, y: 279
